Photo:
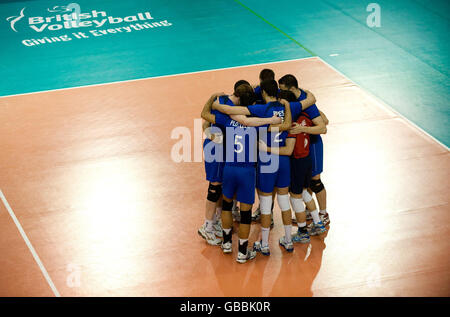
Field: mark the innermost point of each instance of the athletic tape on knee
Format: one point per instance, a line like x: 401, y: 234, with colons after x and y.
x: 297, y: 204
x: 317, y: 185
x: 227, y: 205
x: 246, y: 217
x: 265, y: 204
x: 214, y: 192
x: 306, y: 196
x: 283, y: 202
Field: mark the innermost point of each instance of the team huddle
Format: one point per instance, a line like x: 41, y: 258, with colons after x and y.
x: 265, y: 138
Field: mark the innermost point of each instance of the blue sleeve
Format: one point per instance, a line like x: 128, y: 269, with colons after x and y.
x: 257, y: 110
x: 302, y: 95
x: 296, y: 109
x: 222, y: 119
x: 312, y: 111
x: 225, y: 100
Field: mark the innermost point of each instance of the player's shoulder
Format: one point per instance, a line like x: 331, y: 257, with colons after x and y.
x: 312, y: 111
x: 302, y: 95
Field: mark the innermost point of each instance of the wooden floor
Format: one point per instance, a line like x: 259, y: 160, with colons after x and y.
x: 89, y: 176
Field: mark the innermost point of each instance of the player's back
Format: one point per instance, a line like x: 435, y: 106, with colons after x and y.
x: 240, y: 142
x: 277, y: 138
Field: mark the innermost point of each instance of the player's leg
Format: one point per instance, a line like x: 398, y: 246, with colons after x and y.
x: 316, y: 227
x: 244, y: 232
x: 227, y: 224
x: 317, y: 185
x: 321, y: 194
x: 283, y: 202
x: 217, y: 218
x: 235, y: 210
x: 265, y: 201
x: 282, y: 189
x: 246, y: 197
x: 298, y: 171
x: 207, y: 230
x: 228, y: 189
x: 214, y: 174
x: 265, y: 185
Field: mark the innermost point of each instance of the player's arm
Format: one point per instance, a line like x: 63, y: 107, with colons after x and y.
x: 318, y: 128
x: 206, y: 112
x: 324, y: 117
x: 309, y: 101
x: 216, y: 137
x: 229, y: 110
x: 283, y: 150
x: 255, y: 121
x: 205, y: 126
x: 286, y: 125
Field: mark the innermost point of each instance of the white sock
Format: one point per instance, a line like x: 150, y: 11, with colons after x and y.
x: 209, y: 225
x: 227, y: 231
x: 288, y: 233
x: 315, y: 216
x: 242, y: 241
x: 301, y: 225
x: 265, y: 236
x: 323, y: 212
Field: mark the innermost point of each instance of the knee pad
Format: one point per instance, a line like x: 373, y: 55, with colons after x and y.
x: 246, y: 217
x: 283, y: 202
x: 227, y: 205
x: 316, y: 185
x: 214, y: 192
x: 297, y: 205
x: 265, y: 204
x: 306, y: 196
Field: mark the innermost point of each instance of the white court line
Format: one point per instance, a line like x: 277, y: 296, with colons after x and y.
x: 163, y: 76
x: 30, y: 246
x: 380, y: 102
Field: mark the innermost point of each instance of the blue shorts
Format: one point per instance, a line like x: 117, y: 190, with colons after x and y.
x: 214, y: 172
x: 239, y: 180
x: 316, y: 153
x: 213, y: 169
x: 300, y: 174
x: 266, y: 182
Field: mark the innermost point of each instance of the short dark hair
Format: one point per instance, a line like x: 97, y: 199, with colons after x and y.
x: 287, y: 95
x: 288, y: 81
x: 270, y: 86
x: 266, y: 74
x: 240, y: 82
x: 246, y: 95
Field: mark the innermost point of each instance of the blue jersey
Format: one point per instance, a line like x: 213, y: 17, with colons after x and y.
x: 218, y: 128
x: 268, y: 111
x: 224, y: 100
x: 272, y: 139
x: 240, y: 143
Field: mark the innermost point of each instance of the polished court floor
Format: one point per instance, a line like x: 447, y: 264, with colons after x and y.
x: 88, y: 174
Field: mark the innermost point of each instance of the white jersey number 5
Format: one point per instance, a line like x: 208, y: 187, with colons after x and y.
x: 239, y: 144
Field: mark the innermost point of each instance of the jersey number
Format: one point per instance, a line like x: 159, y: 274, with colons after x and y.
x: 239, y: 144
x: 277, y: 138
